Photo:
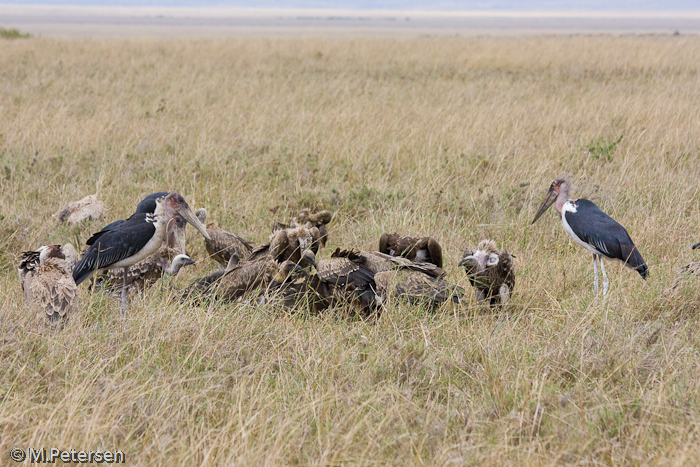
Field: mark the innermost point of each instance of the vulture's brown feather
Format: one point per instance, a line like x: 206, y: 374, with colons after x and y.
x: 223, y: 243
x: 424, y: 249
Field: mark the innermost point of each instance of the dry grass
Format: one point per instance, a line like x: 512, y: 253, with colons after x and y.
x: 452, y: 137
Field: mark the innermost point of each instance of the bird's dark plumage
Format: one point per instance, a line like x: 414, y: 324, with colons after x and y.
x: 603, y: 233
x: 145, y: 206
x: 114, y: 245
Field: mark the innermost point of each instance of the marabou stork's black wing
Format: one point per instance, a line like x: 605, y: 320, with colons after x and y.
x: 146, y: 205
x: 604, y: 234
x: 115, y: 245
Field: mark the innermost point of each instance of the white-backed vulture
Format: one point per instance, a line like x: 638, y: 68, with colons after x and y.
x: 423, y: 249
x: 491, y: 272
x: 416, y: 287
x: 223, y: 243
x: 47, y: 283
x: 88, y: 208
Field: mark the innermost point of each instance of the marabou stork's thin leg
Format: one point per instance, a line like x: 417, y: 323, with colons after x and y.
x: 605, y: 276
x: 595, y: 274
x: 124, y: 294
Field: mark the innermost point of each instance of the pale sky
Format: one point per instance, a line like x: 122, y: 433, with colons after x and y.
x: 489, y: 5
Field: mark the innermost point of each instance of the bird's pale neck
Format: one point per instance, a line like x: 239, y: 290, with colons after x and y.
x: 160, y: 210
x: 562, y: 196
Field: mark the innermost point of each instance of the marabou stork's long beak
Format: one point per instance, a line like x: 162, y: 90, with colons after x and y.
x: 185, y: 211
x: 548, y: 201
x: 697, y: 245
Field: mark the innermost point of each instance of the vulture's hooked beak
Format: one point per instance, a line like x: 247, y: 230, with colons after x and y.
x: 310, y: 257
x: 470, y: 261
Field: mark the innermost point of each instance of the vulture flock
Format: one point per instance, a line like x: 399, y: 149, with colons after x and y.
x: 129, y: 255
x: 287, y: 271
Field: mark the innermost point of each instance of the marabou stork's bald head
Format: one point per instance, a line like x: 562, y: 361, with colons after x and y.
x: 559, y: 189
x: 50, y: 251
x: 175, y: 204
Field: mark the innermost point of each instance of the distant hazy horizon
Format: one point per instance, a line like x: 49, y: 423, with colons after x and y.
x: 440, y: 5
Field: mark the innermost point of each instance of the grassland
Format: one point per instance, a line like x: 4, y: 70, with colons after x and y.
x: 457, y: 138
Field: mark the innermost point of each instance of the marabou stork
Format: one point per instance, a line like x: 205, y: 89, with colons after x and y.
x: 594, y: 230
x: 146, y: 272
x: 133, y: 240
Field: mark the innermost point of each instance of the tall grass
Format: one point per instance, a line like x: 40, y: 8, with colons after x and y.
x: 457, y: 138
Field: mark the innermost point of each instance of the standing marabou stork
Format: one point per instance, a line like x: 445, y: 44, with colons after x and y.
x: 133, y: 240
x: 594, y: 230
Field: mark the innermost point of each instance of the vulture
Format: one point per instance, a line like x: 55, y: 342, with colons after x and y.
x: 320, y: 220
x: 292, y: 244
x: 71, y: 256
x: 345, y: 277
x: 207, y: 284
x: 240, y: 278
x: 308, y: 219
x: 490, y: 272
x: 289, y: 287
x: 416, y: 287
x: 423, y: 249
x: 47, y: 283
x: 222, y: 244
x: 243, y: 278
x: 349, y: 276
x: 87, y: 209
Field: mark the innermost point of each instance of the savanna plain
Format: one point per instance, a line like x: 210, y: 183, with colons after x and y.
x: 457, y: 138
